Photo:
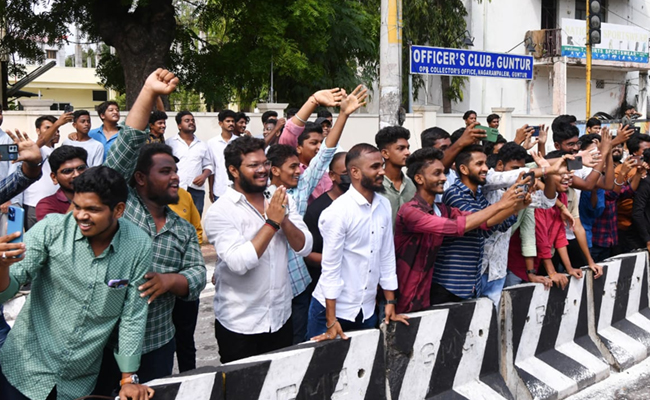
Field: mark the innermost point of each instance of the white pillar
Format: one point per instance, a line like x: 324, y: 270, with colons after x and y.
x: 390, y: 62
x: 505, y: 122
x: 643, y: 94
x: 559, y: 86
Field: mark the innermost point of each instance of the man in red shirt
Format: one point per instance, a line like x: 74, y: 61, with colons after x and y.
x: 67, y: 163
x: 421, y: 225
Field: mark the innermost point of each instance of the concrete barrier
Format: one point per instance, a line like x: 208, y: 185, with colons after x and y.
x: 622, y: 324
x: 338, y: 370
x: 450, y: 351
x: 547, y: 352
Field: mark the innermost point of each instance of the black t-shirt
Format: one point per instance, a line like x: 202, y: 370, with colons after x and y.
x: 311, y: 220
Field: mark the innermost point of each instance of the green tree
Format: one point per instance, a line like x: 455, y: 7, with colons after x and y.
x: 439, y: 23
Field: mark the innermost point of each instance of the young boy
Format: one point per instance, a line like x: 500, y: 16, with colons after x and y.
x: 81, y: 123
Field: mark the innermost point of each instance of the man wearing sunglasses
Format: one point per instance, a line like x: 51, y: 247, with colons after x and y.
x: 66, y: 163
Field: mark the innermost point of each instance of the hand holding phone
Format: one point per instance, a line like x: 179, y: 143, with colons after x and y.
x: 535, y: 131
x: 15, y: 221
x: 574, y: 164
x: 492, y: 133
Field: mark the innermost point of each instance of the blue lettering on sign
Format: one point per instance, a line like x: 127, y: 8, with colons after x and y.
x: 440, y: 61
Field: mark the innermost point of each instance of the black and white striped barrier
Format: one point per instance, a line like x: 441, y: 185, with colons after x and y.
x: 450, y: 351
x: 621, y: 309
x: 547, y: 351
x: 339, y: 369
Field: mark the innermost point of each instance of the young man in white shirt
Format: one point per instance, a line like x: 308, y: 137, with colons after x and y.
x: 81, y: 123
x: 195, y: 165
x: 218, y: 181
x: 358, y: 253
x: 43, y: 187
x: 252, y: 300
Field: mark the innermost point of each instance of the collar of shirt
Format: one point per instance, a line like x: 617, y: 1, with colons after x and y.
x: 61, y: 196
x: 460, y: 186
x: 402, y: 186
x: 180, y: 139
x: 361, y: 200
x: 78, y: 236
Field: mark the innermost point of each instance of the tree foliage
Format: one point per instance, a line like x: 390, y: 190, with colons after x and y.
x: 438, y: 23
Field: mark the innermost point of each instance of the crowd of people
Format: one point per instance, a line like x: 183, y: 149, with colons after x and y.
x: 312, y: 241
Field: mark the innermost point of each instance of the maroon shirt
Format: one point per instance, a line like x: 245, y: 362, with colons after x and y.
x: 56, y: 203
x: 418, y: 235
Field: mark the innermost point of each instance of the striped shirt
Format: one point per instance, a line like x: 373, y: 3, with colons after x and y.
x: 459, y: 260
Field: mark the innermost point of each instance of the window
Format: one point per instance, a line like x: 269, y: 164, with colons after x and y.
x: 549, y: 14
x: 100, y: 95
x: 51, y: 54
x: 59, y: 106
x: 581, y: 10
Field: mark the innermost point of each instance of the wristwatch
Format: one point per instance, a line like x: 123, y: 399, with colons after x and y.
x: 393, y: 302
x: 131, y: 379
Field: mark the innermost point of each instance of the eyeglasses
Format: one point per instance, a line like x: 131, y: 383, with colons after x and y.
x: 257, y: 166
x: 68, y: 171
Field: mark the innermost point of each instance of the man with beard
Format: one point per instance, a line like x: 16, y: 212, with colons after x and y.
x: 66, y: 164
x: 195, y: 163
x: 178, y: 269
x: 457, y: 272
x: 358, y: 253
x: 340, y: 184
x: 250, y: 233
x: 218, y: 181
x: 422, y: 224
x: 617, y: 154
x: 101, y: 259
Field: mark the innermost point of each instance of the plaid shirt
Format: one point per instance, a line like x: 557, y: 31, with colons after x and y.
x: 310, y: 178
x: 605, y: 229
x: 175, y: 247
x: 14, y: 184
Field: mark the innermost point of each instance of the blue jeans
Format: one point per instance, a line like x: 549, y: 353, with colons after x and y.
x: 4, y: 327
x: 512, y: 279
x: 198, y: 197
x: 300, y: 315
x: 318, y: 322
x: 492, y: 289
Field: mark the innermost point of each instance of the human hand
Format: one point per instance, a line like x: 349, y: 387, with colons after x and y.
x: 529, y: 142
x: 28, y: 151
x: 567, y: 218
x: 331, y: 333
x: 212, y: 196
x: 161, y: 82
x: 277, y: 206
x: 136, y: 392
x: 247, y: 133
x: 622, y: 135
x: 157, y: 284
x: 560, y: 280
x: 575, y: 272
x: 328, y: 97
x: 199, y: 180
x: 72, y: 136
x: 543, y: 134
x: 605, y: 146
x: 471, y: 135
x: 547, y: 282
x: 590, y: 158
x: 353, y: 101
x: 10, y: 250
x: 520, y: 134
x: 4, y: 207
x: 539, y: 160
x: 598, y: 270
x: 391, y: 315
x: 65, y: 118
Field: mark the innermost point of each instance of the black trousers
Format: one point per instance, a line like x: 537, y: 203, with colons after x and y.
x: 235, y: 346
x: 576, y: 256
x: 184, y: 316
x: 440, y: 295
x: 153, y: 365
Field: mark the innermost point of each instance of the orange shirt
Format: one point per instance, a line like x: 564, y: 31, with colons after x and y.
x: 188, y: 211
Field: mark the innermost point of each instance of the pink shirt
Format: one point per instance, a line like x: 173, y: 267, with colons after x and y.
x: 290, y: 137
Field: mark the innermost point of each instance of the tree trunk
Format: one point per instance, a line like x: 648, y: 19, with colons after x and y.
x: 445, y: 85
x: 141, y: 39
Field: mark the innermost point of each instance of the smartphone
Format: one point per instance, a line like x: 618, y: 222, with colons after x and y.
x: 16, y: 220
x: 536, y: 130
x: 573, y: 165
x: 68, y: 108
x: 118, y: 283
x: 526, y: 186
x: 8, y: 152
x: 492, y: 133
x: 637, y: 159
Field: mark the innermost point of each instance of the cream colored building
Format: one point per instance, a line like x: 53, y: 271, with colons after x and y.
x: 68, y: 85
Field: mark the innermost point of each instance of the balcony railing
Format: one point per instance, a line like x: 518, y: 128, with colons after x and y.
x: 547, y: 43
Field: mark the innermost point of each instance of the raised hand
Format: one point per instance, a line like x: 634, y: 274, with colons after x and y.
x: 520, y: 135
x: 529, y: 142
x: 28, y: 151
x: 277, y: 206
x: 605, y: 145
x: 471, y: 135
x: 328, y: 97
x: 161, y: 82
x: 622, y: 135
x: 539, y: 160
x: 543, y: 134
x: 355, y: 100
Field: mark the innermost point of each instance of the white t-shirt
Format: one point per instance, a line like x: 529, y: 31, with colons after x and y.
x: 94, y: 148
x: 43, y: 187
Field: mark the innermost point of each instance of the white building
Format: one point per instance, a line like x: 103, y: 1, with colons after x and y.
x: 559, y: 84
